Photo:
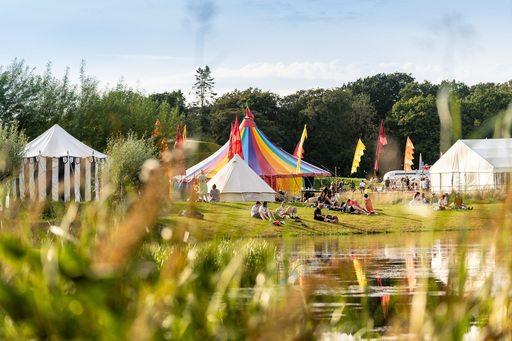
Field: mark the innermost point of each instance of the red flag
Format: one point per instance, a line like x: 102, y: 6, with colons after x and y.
x: 231, y: 137
x: 381, y: 142
x: 248, y: 114
x: 296, y: 152
x: 237, y: 141
x: 180, y: 152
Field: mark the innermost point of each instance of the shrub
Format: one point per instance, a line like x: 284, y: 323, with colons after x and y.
x: 12, y: 144
x: 124, y: 163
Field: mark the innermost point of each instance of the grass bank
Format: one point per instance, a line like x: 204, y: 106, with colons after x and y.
x: 233, y: 220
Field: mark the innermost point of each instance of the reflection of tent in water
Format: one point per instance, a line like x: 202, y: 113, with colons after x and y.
x: 265, y: 159
x: 236, y: 181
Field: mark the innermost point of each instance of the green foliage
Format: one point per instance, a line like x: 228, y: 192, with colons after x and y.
x: 12, y: 144
x: 384, y: 91
x: 336, y: 117
x: 418, y: 119
x: 125, y: 158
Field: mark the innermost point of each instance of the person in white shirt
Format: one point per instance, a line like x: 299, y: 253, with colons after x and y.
x: 255, y: 210
x: 362, y: 186
x: 265, y: 213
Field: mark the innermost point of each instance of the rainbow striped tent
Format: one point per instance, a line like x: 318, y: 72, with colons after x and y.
x: 266, y: 159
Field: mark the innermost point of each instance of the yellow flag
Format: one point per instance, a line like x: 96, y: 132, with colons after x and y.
x: 357, y: 156
x: 300, y: 150
x: 409, y: 150
x: 184, y: 134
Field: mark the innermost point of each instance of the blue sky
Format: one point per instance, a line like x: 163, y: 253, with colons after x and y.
x: 280, y: 46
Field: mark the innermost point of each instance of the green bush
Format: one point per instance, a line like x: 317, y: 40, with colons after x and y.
x: 124, y: 163
x: 12, y: 144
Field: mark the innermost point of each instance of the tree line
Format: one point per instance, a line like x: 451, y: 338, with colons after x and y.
x: 336, y: 118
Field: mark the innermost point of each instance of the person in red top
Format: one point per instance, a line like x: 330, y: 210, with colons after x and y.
x: 358, y: 208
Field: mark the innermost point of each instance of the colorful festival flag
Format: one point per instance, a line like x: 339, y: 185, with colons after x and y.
x: 381, y: 142
x: 237, y: 140
x: 230, y: 148
x: 163, y: 150
x: 409, y: 151
x: 299, y: 150
x: 249, y: 114
x: 179, y: 151
x: 357, y: 156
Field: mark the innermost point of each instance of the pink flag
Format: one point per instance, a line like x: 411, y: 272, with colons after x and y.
x: 381, y: 142
x: 230, y: 149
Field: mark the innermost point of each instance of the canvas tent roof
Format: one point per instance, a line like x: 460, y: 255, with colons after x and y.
x: 262, y: 156
x: 56, y: 142
x: 236, y: 181
x: 479, y: 155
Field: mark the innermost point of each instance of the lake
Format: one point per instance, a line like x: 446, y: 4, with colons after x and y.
x: 381, y: 278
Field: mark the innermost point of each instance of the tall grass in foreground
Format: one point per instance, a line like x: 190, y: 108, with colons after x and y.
x: 92, y: 276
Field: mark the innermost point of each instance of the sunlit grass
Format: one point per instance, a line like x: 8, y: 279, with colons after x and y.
x: 81, y: 272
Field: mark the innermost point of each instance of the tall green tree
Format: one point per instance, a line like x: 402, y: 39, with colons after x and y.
x: 383, y: 89
x: 417, y: 118
x: 203, y: 88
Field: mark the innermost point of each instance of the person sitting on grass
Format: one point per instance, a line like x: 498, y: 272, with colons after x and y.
x: 285, y: 212
x: 458, y: 204
x: 321, y: 217
x: 415, y: 199
x: 265, y: 213
x: 331, y: 199
x: 443, y: 203
x: 368, y: 204
x: 214, y: 194
x: 424, y: 199
x: 357, y: 208
x: 255, y: 210
x: 434, y: 200
x: 321, y: 199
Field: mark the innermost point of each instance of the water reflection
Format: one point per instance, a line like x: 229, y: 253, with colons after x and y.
x: 385, y: 275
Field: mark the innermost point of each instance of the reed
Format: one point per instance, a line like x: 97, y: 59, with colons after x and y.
x: 77, y: 272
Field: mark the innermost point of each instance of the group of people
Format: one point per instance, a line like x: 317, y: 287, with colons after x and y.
x: 261, y: 211
x: 200, y: 190
x: 405, y: 183
x: 441, y: 203
x: 419, y: 199
x: 349, y: 206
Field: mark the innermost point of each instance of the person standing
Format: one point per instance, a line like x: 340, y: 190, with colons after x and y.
x: 203, y: 187
x: 342, y: 186
x: 362, y: 186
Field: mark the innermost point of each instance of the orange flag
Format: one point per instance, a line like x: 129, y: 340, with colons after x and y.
x: 163, y: 150
x: 409, y: 151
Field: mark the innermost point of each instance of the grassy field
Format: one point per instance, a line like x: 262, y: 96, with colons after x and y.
x: 233, y: 220
x: 92, y: 272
